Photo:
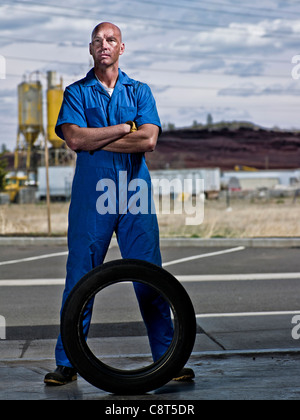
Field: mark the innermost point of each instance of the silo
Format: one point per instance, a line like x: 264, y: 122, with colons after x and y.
x: 54, y: 100
x: 30, y: 96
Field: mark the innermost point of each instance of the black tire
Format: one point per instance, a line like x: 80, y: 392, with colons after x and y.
x: 136, y: 381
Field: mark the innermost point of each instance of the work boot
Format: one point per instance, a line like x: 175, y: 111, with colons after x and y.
x: 185, y: 375
x: 61, y: 376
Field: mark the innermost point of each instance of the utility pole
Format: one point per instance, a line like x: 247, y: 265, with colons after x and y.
x: 47, y: 185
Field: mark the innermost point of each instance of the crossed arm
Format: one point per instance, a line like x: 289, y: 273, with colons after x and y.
x: 115, y: 138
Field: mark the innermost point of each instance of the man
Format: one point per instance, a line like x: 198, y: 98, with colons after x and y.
x: 110, y: 120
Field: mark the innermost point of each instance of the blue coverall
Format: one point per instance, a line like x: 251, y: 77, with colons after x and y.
x: 87, y: 104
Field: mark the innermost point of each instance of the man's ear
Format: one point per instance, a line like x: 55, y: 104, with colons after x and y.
x: 122, y: 48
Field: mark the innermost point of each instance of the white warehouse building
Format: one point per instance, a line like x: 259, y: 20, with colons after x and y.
x: 248, y: 180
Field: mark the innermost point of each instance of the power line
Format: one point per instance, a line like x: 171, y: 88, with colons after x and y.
x: 211, y: 3
x: 169, y: 71
x: 183, y: 25
x: 196, y: 107
x: 219, y: 88
x: 201, y: 55
x: 251, y: 8
x: 174, y: 55
x: 181, y: 72
x: 41, y: 60
x: 176, y: 6
x: 231, y: 89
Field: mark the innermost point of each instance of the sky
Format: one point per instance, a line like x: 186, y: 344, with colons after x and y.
x: 236, y: 60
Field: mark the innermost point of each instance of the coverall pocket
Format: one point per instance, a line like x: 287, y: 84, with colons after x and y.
x: 127, y: 113
x: 95, y: 117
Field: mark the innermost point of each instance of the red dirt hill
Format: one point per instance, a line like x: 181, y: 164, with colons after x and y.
x: 259, y: 148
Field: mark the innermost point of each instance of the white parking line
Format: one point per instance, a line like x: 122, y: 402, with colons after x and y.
x: 60, y: 254
x: 247, y: 314
x: 32, y: 282
x: 39, y: 257
x: 239, y: 277
x: 197, y: 257
x: 182, y: 279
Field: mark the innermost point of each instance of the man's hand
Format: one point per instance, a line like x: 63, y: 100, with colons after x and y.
x: 133, y: 126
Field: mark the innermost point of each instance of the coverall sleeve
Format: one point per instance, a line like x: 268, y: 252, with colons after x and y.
x: 146, y: 108
x: 72, y: 111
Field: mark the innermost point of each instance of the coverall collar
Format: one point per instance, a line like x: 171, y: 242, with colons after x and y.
x: 123, y: 79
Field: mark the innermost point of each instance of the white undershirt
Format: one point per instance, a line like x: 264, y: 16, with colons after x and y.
x: 108, y: 90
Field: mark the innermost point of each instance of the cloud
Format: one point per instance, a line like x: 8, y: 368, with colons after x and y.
x: 252, y: 89
x: 263, y: 37
x: 255, y: 68
x: 228, y: 67
x: 229, y: 55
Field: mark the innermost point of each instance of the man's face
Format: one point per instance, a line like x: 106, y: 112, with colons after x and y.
x: 106, y: 46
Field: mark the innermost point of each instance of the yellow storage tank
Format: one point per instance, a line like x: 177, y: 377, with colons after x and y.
x: 54, y: 100
x: 30, y: 97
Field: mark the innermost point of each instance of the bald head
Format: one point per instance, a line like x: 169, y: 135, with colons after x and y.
x: 106, y: 25
x: 106, y: 46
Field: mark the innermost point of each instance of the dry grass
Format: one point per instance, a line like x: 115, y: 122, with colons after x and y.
x: 276, y: 218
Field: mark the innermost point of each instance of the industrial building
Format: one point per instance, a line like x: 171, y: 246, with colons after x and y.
x: 37, y: 147
x: 32, y: 136
x: 253, y: 180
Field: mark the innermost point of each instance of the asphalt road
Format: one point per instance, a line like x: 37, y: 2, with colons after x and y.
x: 224, y: 299
x: 244, y: 298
